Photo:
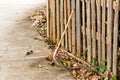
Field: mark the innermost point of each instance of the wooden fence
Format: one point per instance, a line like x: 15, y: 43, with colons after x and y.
x: 92, y: 32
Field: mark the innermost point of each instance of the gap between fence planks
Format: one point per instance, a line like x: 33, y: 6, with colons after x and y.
x: 63, y: 34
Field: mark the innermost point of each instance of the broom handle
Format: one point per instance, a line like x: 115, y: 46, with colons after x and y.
x: 66, y: 26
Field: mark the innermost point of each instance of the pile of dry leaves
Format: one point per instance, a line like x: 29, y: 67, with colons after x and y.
x: 79, y: 70
x: 39, y: 21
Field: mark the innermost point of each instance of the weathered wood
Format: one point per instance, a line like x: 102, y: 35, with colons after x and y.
x: 65, y: 21
x: 78, y: 28
x: 63, y: 34
x: 54, y: 21
x: 69, y: 29
x: 62, y: 20
x: 89, y: 55
x: 48, y: 19
x: 51, y: 22
x: 84, y: 28
x: 115, y: 36
x: 98, y: 36
x: 109, y: 34
x: 78, y: 59
x: 103, y: 29
x: 58, y: 19
x: 73, y: 28
x: 93, y: 10
x: 113, y: 5
x: 99, y: 21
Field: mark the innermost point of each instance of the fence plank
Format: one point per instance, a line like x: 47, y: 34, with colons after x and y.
x: 109, y: 34
x: 103, y: 29
x: 62, y: 20
x: 89, y: 55
x: 58, y: 19
x: 99, y: 29
x: 115, y: 39
x: 84, y: 29
x: 65, y: 21
x: 54, y: 21
x: 69, y: 29
x: 73, y: 28
x: 51, y: 22
x: 93, y: 4
x: 78, y: 27
x: 48, y: 18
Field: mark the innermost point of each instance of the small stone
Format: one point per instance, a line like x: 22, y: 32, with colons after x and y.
x: 40, y: 66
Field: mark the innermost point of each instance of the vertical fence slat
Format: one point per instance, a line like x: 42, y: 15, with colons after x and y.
x: 58, y: 19
x: 78, y: 27
x: 99, y: 29
x: 73, y: 28
x: 103, y: 29
x: 109, y: 33
x: 84, y: 28
x: 61, y: 20
x: 48, y: 19
x: 65, y: 22
x: 54, y: 21
x: 115, y: 39
x: 93, y: 28
x: 89, y: 55
x: 69, y: 27
x: 51, y: 22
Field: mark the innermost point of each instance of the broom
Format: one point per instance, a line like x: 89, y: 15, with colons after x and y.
x: 62, y: 37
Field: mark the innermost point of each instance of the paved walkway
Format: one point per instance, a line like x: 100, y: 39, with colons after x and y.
x: 16, y: 38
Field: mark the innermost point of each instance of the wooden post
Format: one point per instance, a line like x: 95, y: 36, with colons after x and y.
x: 73, y: 28
x: 61, y: 20
x: 103, y: 29
x: 48, y: 19
x: 78, y: 27
x: 58, y: 19
x: 69, y: 29
x: 109, y: 33
x: 99, y: 29
x: 93, y: 9
x: 89, y: 55
x: 115, y: 39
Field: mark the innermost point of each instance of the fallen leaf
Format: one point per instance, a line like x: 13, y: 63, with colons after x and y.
x: 74, y: 73
x: 88, y: 74
x: 50, y: 57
